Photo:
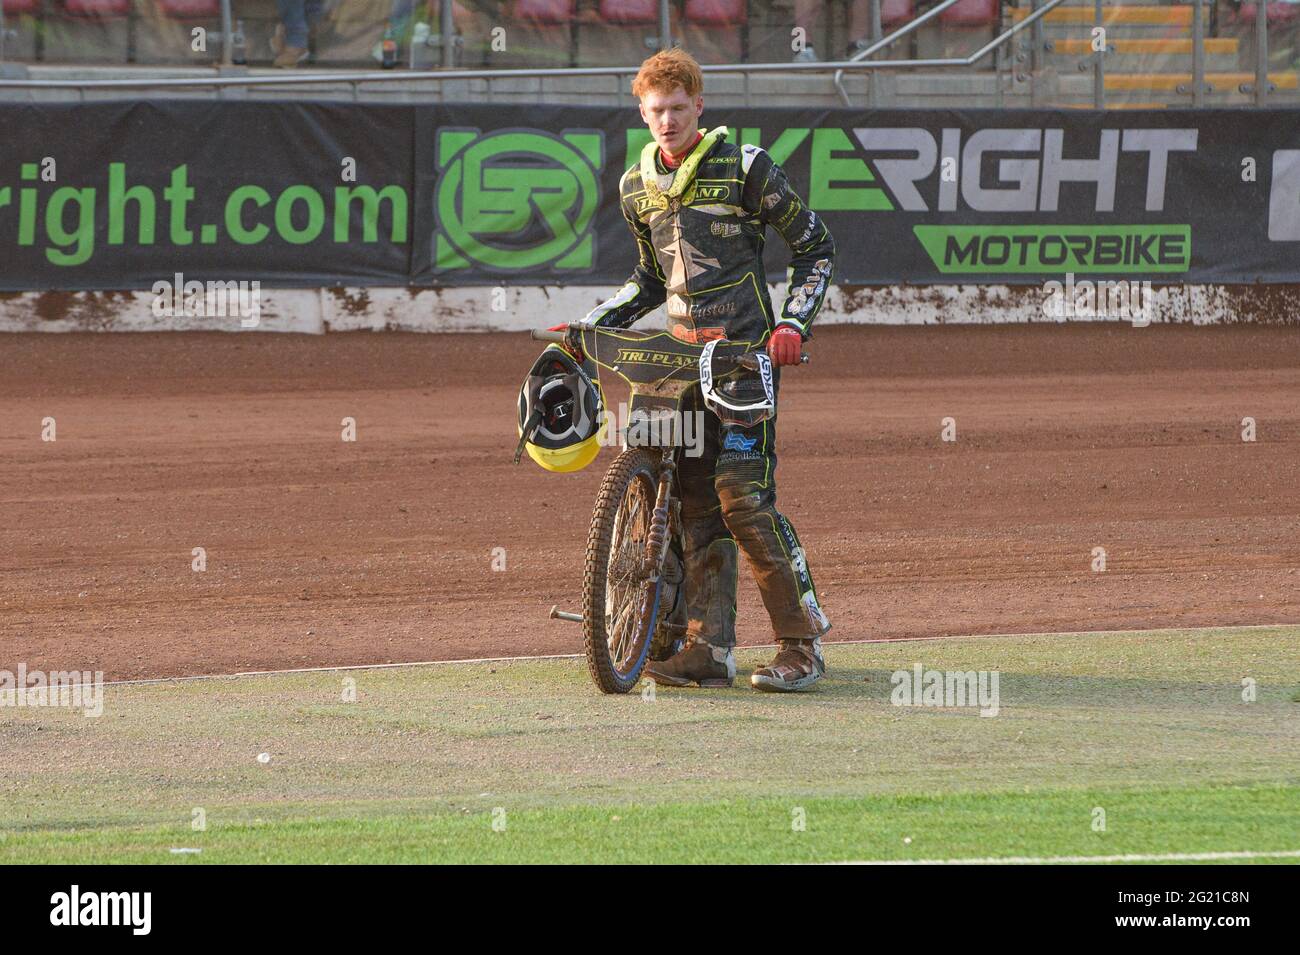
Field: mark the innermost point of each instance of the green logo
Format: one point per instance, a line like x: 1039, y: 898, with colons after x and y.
x: 517, y: 198
x: 1057, y: 248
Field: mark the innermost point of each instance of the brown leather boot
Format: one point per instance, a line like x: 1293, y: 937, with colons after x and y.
x: 290, y: 57
x: 697, y: 662
x: 798, y: 665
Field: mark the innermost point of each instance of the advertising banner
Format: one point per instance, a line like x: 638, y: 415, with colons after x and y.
x: 124, y: 195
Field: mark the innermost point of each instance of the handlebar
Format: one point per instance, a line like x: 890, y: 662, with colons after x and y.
x: 559, y: 338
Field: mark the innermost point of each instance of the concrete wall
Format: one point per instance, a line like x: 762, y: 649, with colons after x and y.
x: 316, y: 311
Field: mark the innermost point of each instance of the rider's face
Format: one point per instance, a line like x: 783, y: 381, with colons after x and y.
x: 673, y: 118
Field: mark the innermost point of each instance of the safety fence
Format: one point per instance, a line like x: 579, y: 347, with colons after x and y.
x: 1038, y: 53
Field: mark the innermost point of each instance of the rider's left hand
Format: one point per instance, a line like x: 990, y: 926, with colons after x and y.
x: 564, y: 327
x: 785, y: 346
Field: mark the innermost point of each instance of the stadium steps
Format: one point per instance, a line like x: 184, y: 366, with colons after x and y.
x: 1145, y: 90
x: 1147, y: 55
x: 1150, y: 55
x: 1131, y: 22
x: 1175, y: 15
x: 1158, y: 46
x: 1124, y: 105
x: 1169, y: 82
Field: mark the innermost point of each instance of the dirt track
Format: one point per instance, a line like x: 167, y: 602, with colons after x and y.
x: 324, y: 552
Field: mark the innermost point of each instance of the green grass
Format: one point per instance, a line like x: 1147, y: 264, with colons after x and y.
x: 961, y: 825
x: 1151, y: 728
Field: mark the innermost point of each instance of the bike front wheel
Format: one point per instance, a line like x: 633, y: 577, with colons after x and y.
x: 620, y: 601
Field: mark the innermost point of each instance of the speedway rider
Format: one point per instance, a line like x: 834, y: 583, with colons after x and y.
x: 698, y: 207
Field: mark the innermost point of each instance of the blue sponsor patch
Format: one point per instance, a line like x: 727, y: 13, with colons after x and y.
x: 738, y: 442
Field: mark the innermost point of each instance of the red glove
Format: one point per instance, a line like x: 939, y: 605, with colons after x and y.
x: 785, y: 346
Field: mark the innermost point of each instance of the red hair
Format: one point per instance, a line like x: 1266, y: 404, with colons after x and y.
x: 667, y: 70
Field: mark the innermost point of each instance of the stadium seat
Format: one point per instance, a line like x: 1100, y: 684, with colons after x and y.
x: 629, y: 12
x: 23, y: 21
x: 1282, y: 14
x: 189, y: 9
x: 622, y: 31
x: 971, y: 13
x: 541, y: 33
x: 163, y: 31
x: 544, y: 12
x: 718, y: 13
x: 97, y: 9
x: 895, y: 13
x: 88, y: 31
x: 967, y: 24
x: 716, y: 31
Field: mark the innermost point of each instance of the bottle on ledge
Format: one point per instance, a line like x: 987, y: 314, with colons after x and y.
x: 389, y: 60
x: 239, y: 45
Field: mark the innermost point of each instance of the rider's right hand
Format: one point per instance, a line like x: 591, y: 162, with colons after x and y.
x: 784, y: 347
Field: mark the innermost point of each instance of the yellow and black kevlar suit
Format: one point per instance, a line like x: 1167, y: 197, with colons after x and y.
x: 700, y: 231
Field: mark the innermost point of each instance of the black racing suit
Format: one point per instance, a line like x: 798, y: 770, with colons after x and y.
x: 700, y: 231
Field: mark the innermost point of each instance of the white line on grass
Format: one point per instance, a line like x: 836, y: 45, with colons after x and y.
x: 1085, y: 860
x: 748, y: 646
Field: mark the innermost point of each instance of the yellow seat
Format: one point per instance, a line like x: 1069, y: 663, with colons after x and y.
x: 1082, y: 47
x: 1170, y: 82
x: 1124, y: 105
x: 1180, y: 15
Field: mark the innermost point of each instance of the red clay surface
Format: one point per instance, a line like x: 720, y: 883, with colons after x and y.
x: 321, y: 552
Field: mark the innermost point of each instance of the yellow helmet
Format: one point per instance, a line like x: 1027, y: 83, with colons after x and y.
x: 560, y: 405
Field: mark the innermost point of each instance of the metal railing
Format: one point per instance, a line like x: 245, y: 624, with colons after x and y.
x: 908, y: 27
x: 858, y: 63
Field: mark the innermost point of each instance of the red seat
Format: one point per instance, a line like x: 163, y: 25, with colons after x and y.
x: 101, y: 9
x: 1280, y: 13
x: 18, y: 8
x: 894, y: 13
x: 545, y: 12
x: 972, y: 13
x: 190, y: 9
x: 717, y: 13
x: 629, y: 12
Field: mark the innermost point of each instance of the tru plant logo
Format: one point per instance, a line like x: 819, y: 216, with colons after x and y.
x: 517, y: 199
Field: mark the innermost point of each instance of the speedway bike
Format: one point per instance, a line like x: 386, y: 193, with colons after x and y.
x: 633, y: 586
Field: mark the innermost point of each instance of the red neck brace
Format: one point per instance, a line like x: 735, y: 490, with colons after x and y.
x: 672, y: 162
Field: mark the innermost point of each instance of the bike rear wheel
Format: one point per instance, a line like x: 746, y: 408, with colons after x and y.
x: 619, y: 601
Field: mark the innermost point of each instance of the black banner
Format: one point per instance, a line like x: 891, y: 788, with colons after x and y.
x: 124, y: 195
